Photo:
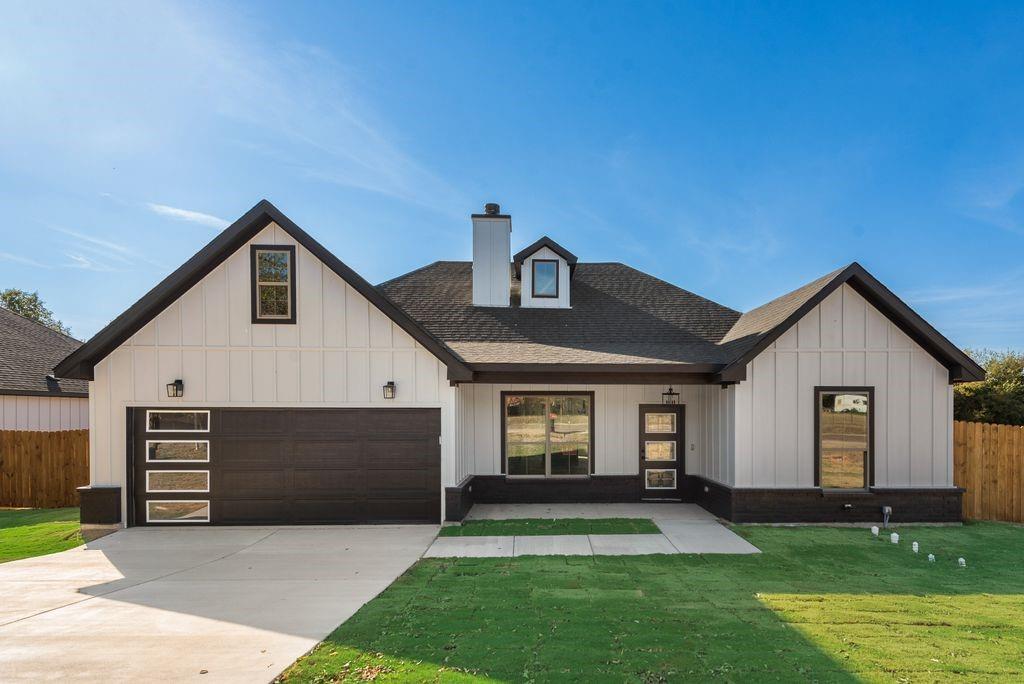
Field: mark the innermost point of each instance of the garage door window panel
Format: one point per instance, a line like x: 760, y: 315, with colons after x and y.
x: 177, y: 421
x: 177, y: 451
x: 177, y: 511
x: 163, y: 481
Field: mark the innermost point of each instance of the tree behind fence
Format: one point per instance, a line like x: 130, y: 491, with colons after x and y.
x: 43, y: 469
x: 988, y: 461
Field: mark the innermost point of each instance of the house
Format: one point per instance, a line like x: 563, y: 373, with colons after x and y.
x: 43, y: 444
x: 31, y: 398
x: 264, y: 381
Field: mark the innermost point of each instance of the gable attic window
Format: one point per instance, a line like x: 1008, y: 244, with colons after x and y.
x: 545, y: 278
x: 273, y: 283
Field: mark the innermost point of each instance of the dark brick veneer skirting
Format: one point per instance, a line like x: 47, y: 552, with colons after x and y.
x: 500, y: 489
x: 810, y: 505
x: 816, y: 505
x: 99, y: 505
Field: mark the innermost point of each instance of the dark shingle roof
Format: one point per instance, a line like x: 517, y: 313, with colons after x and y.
x: 28, y: 353
x: 619, y: 315
x: 754, y: 325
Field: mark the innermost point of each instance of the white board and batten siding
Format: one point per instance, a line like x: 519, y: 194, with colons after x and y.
x: 717, y: 425
x: 340, y: 353
x: 844, y: 341
x: 43, y: 414
x: 616, y: 425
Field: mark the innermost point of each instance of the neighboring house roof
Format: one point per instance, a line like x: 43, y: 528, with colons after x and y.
x: 28, y: 353
x: 525, y: 253
x: 80, y: 363
x: 620, y: 316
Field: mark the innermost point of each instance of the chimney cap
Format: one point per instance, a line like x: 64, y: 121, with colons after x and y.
x: 492, y: 210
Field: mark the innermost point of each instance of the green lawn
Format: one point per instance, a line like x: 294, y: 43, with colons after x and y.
x: 37, y: 531
x: 535, y: 526
x: 820, y: 604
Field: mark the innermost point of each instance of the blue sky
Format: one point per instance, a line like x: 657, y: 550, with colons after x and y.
x: 737, y: 150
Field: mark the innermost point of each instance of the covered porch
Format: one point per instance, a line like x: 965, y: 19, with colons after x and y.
x: 600, y: 443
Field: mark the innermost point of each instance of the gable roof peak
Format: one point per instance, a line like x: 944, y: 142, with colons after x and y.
x: 80, y: 363
x: 760, y: 327
x: 544, y: 241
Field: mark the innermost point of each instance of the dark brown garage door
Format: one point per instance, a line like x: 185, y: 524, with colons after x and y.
x: 285, y: 466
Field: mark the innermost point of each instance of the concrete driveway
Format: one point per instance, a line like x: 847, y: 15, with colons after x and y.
x: 210, y: 604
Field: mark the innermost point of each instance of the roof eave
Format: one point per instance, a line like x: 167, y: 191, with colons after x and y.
x: 594, y: 373
x: 44, y: 393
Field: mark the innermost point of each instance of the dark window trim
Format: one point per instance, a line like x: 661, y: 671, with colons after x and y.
x: 542, y: 393
x: 533, y: 278
x: 293, y: 283
x: 870, y: 475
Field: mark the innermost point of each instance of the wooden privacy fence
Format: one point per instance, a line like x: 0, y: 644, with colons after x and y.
x: 42, y: 469
x: 988, y: 461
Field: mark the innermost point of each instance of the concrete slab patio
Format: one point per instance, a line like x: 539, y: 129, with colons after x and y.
x: 653, y: 511
x: 211, y: 604
x: 685, y: 528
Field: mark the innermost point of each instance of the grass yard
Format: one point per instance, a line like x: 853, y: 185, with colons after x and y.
x: 819, y: 604
x: 37, y: 531
x: 537, y: 526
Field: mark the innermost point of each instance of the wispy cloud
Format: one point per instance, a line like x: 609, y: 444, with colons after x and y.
x: 93, y: 253
x: 290, y: 105
x: 993, y: 309
x: 87, y: 264
x: 994, y: 195
x: 106, y: 245
x: 18, y: 259
x: 188, y: 215
x: 1010, y: 284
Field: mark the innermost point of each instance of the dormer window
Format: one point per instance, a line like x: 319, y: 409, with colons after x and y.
x: 273, y: 283
x: 545, y: 278
x: 544, y: 270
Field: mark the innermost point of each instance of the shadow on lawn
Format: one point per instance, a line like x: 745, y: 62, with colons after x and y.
x: 819, y: 604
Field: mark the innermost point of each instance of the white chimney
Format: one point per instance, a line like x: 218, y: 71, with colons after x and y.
x: 492, y: 257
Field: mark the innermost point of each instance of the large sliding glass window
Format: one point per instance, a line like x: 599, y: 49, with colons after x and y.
x: 844, y: 438
x: 548, y: 434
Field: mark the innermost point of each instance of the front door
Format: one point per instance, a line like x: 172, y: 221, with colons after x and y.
x: 661, y: 451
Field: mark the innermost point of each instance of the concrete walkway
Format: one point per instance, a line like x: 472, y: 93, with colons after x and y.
x: 205, y: 604
x: 652, y: 511
x: 685, y: 528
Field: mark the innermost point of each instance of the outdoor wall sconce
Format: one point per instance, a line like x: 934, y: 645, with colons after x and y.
x: 670, y: 397
x: 389, y: 389
x: 176, y: 388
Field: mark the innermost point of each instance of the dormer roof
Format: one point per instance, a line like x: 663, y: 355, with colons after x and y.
x: 525, y: 253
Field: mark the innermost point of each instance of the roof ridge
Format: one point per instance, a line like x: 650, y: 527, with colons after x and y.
x: 41, y: 325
